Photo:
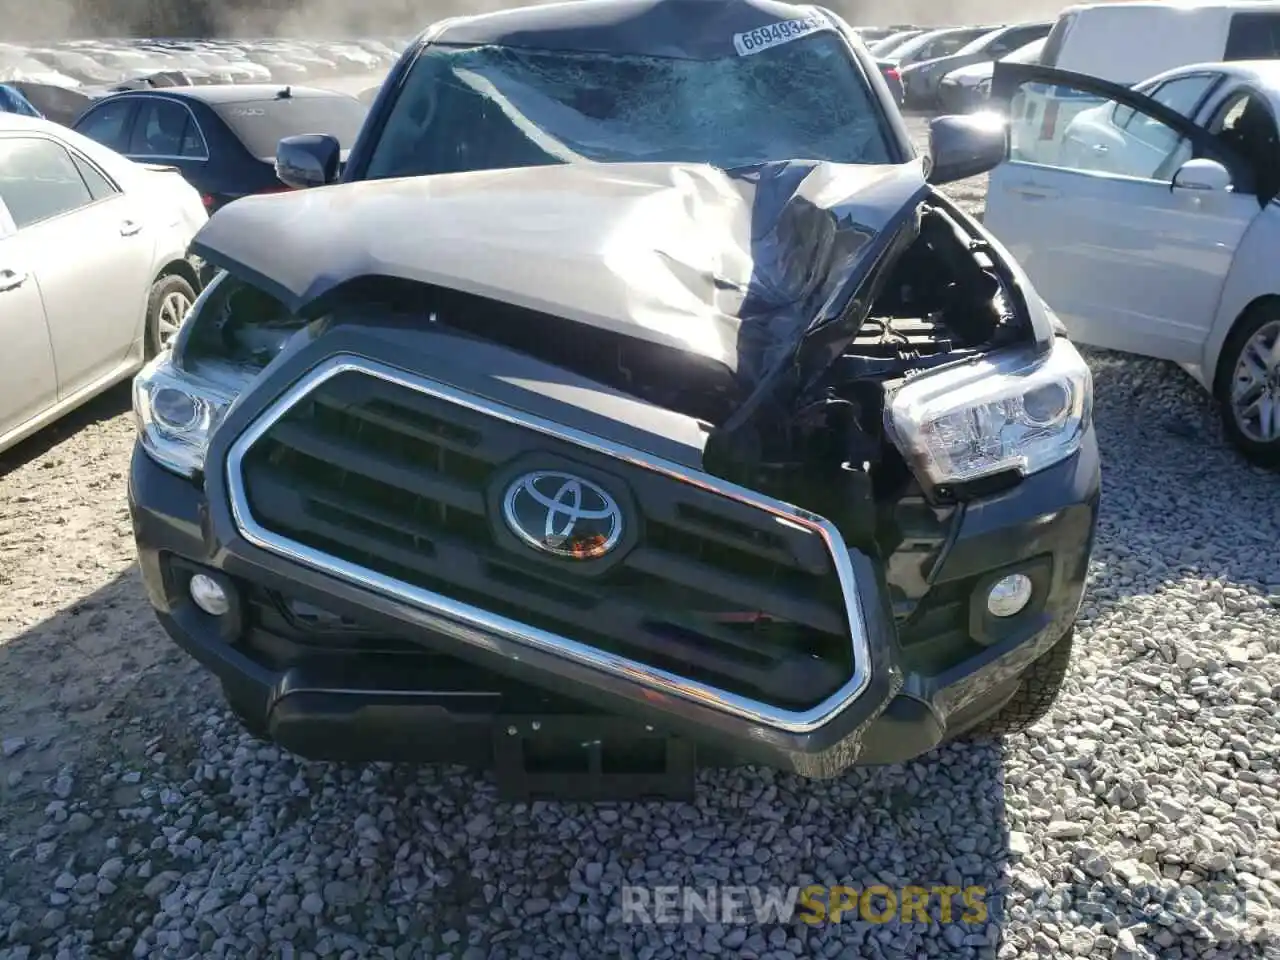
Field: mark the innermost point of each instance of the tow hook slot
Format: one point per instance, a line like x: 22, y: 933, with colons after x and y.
x: 590, y: 759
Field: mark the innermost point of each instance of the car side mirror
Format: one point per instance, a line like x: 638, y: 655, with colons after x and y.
x: 308, y: 160
x: 1202, y: 174
x: 966, y: 145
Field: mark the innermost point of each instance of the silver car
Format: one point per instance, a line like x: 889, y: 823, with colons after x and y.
x: 94, y: 275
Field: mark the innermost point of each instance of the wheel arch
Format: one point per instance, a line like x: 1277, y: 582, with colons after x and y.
x: 1218, y: 369
x: 179, y: 268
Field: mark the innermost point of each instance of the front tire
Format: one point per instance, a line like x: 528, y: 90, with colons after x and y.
x: 1248, y: 385
x: 167, y: 306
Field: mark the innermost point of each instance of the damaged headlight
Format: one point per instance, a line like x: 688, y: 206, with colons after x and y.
x: 176, y: 414
x: 1013, y: 412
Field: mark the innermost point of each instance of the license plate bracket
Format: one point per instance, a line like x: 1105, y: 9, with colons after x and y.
x: 590, y: 758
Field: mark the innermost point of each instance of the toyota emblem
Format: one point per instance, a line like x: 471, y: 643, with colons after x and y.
x: 563, y: 515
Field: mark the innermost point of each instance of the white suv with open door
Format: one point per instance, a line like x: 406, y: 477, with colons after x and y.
x: 1156, y: 231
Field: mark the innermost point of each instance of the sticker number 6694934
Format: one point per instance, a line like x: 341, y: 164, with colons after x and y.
x: 762, y: 38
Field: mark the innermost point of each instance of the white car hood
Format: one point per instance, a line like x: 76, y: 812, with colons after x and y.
x: 973, y: 74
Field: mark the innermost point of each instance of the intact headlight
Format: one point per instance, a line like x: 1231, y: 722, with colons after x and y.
x: 1012, y: 412
x: 176, y: 414
x: 984, y: 86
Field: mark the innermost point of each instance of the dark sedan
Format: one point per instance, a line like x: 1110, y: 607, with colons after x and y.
x: 223, y: 137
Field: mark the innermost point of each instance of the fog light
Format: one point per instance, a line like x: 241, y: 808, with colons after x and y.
x: 1009, y: 595
x: 209, y: 595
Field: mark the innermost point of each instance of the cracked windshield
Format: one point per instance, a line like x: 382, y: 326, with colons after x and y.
x: 479, y: 108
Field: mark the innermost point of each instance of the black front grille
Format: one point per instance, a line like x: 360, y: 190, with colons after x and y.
x: 401, y: 482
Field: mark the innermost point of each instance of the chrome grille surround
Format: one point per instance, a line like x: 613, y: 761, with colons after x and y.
x: 475, y: 626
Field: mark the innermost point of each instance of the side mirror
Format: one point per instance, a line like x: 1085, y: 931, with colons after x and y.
x: 308, y: 160
x: 966, y: 145
x: 1202, y: 174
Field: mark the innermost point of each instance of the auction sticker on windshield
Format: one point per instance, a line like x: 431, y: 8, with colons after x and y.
x: 762, y: 38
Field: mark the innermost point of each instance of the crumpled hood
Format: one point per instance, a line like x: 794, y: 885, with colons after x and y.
x: 738, y: 267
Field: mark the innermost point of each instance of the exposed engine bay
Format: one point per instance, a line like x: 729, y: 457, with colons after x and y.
x: 942, y: 298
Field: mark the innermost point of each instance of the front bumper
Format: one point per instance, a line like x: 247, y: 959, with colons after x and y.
x: 379, y: 678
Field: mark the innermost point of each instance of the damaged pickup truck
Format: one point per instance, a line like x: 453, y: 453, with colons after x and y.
x: 636, y: 441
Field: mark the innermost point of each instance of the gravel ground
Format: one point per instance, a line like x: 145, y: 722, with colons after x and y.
x: 1139, y: 819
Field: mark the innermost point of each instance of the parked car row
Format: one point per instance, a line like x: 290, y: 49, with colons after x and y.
x: 969, y: 88
x: 62, y: 78
x: 102, y: 63
x: 950, y: 68
x: 921, y: 61
x: 916, y: 61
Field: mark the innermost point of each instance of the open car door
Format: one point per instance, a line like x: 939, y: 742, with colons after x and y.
x: 1128, y: 244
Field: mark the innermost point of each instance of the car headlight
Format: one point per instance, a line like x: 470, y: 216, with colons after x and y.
x: 1015, y: 411
x: 176, y: 414
x: 984, y: 86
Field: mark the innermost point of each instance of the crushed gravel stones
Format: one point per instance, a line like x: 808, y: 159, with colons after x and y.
x: 1138, y: 820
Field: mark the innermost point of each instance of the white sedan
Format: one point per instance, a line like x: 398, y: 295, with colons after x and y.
x: 1155, y: 228
x: 94, y: 275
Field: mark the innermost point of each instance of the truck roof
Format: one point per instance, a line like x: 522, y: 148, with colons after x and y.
x: 683, y: 29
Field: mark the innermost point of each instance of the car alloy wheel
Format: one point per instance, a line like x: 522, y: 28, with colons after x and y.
x: 172, y: 297
x: 1255, y: 385
x: 173, y: 310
